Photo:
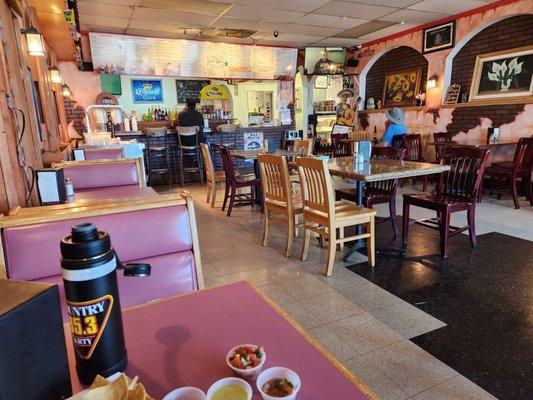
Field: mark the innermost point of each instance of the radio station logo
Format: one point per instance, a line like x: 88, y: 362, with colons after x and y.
x: 88, y: 320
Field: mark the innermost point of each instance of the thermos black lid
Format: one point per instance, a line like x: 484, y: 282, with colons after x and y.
x: 85, y: 242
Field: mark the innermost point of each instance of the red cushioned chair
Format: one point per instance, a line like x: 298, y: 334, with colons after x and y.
x: 457, y: 190
x: 504, y: 176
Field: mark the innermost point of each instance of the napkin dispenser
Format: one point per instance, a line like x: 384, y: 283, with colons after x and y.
x: 33, y: 353
x: 51, y: 186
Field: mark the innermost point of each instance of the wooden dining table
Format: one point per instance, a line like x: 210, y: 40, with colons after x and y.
x: 473, y: 143
x: 183, y: 341
x: 378, y: 170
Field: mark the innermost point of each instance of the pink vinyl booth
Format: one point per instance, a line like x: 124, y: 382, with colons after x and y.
x: 161, y: 232
x: 110, y: 175
x: 103, y: 153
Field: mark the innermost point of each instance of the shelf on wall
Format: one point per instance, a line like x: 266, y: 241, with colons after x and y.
x: 483, y: 103
x: 408, y: 108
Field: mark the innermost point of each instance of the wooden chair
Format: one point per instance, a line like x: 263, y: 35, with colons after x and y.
x: 281, y: 202
x: 441, y: 137
x: 213, y: 177
x: 322, y: 215
x: 412, y: 143
x: 504, y: 176
x: 397, y: 141
x: 379, y: 192
x: 303, y: 146
x: 457, y: 190
x: 235, y: 181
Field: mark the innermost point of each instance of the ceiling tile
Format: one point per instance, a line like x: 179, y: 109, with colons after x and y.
x: 381, y: 33
x: 329, y: 20
x: 354, y: 10
x: 173, y: 35
x: 161, y: 26
x: 294, y: 5
x: 105, y: 10
x: 333, y: 41
x: 262, y: 14
x: 294, y: 37
x: 276, y: 43
x: 195, y: 6
x: 388, y: 3
x: 413, y: 16
x: 447, y: 6
x: 115, y: 2
x: 120, y: 31
x: 185, y: 18
x: 364, y: 29
x: 310, y: 30
x: 237, y: 23
x: 112, y: 22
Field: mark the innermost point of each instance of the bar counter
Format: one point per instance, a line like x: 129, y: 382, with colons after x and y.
x: 274, y: 134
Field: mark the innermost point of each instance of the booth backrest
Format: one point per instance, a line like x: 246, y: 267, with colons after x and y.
x: 32, y: 252
x: 98, y: 154
x: 102, y: 173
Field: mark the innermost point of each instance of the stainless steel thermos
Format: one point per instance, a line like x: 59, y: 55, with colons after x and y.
x: 88, y: 266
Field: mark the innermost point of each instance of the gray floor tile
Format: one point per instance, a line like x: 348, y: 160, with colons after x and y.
x: 412, y: 369
x: 457, y: 388
x: 341, y: 349
x: 364, y: 332
x: 305, y: 286
x: 407, y: 320
x: 369, y: 296
x: 331, y: 306
x: 301, y: 315
x: 276, y: 293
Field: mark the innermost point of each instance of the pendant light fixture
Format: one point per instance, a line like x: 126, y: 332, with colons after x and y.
x: 35, y: 42
x: 55, y: 74
x: 65, y: 91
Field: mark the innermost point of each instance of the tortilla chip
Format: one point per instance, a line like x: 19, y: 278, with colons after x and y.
x: 117, y: 390
x: 98, y: 382
x: 137, y: 393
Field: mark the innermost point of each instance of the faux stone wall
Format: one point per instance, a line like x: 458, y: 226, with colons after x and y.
x: 74, y: 113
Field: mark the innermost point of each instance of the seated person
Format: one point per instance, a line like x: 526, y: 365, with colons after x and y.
x: 395, y: 125
x: 192, y: 117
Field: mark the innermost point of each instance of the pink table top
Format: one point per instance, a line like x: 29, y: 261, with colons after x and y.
x: 183, y: 341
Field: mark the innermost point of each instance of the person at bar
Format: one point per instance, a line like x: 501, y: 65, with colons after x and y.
x: 395, y: 125
x: 192, y: 117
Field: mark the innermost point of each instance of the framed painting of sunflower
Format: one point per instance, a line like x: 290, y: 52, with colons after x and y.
x: 401, y: 87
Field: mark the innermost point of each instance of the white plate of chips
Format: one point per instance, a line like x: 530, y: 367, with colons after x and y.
x: 116, y: 387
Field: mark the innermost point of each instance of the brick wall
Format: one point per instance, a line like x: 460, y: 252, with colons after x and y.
x: 400, y: 58
x: 506, y: 34
x: 74, y: 113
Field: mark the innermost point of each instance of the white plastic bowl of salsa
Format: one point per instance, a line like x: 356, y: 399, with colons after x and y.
x: 247, y: 373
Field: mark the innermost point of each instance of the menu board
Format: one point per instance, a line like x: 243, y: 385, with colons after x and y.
x: 189, y: 88
x: 133, y: 55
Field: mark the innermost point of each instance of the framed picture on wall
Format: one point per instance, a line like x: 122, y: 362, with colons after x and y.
x: 438, y: 37
x: 401, y: 87
x: 502, y: 74
x: 147, y: 90
x: 321, y: 82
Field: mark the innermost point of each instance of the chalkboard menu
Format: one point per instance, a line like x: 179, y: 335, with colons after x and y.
x: 189, y: 88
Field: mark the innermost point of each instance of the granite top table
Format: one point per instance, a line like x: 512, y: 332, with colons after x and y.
x: 472, y: 144
x: 379, y: 170
x: 183, y: 341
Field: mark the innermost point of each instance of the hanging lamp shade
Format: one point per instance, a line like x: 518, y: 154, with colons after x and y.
x: 55, y: 74
x: 65, y: 91
x: 35, y: 42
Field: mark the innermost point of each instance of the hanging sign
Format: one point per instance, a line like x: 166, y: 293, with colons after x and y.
x: 147, y: 90
x: 214, y: 92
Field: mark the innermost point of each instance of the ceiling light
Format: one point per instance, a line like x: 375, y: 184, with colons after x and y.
x: 65, y: 91
x: 35, y: 41
x: 55, y: 74
x: 402, y: 23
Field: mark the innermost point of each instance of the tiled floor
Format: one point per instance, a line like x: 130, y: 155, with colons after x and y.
x: 365, y: 326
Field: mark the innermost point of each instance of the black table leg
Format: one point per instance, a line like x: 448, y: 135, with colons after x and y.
x: 257, y: 189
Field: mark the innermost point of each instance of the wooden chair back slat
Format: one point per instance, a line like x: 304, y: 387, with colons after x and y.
x: 523, y: 156
x: 208, y: 162
x: 317, y: 189
x: 340, y: 148
x: 387, y: 186
x: 464, y: 178
x: 303, y: 146
x: 441, y: 137
x: 274, y: 174
x: 227, y: 164
x: 412, y: 143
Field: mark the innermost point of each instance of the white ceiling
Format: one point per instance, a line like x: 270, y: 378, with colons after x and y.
x: 299, y: 22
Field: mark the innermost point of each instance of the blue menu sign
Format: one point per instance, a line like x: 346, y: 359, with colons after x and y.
x: 147, y: 90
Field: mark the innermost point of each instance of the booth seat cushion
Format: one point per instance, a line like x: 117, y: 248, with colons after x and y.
x: 98, y: 175
x: 32, y: 252
x: 172, y: 274
x: 114, y: 192
x: 97, y: 154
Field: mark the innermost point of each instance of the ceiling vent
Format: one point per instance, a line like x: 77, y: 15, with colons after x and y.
x: 235, y: 33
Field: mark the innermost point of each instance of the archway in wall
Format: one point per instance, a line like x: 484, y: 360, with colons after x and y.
x: 521, y: 23
x: 399, y: 58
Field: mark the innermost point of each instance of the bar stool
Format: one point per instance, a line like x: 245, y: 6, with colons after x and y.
x: 188, y: 146
x: 157, y: 151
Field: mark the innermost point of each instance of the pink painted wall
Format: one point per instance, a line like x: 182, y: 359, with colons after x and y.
x: 422, y: 121
x: 85, y: 86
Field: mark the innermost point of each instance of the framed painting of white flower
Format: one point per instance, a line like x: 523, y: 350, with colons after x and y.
x: 503, y: 74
